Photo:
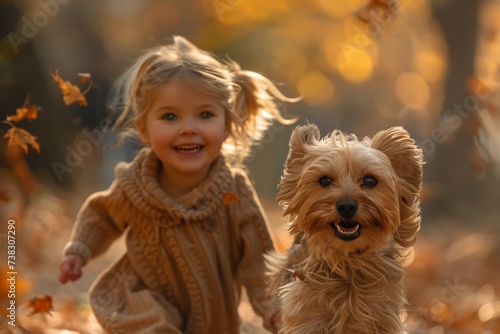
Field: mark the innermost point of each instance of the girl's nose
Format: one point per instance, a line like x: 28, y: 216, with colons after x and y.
x: 188, y: 128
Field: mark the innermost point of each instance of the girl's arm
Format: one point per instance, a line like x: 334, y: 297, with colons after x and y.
x: 99, y: 222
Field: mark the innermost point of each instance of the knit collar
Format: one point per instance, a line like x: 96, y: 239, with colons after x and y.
x: 139, y: 180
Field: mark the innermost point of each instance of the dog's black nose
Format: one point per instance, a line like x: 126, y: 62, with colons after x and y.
x: 347, y: 208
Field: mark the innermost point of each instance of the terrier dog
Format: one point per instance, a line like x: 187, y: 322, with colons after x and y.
x: 353, y: 208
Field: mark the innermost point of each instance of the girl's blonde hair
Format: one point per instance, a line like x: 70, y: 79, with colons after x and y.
x: 249, y: 99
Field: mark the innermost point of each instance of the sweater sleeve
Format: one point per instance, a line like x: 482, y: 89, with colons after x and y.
x: 255, y: 242
x: 98, y: 224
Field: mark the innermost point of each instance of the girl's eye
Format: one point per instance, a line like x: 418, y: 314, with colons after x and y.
x: 169, y: 117
x: 370, y: 181
x: 206, y: 114
x: 325, y: 181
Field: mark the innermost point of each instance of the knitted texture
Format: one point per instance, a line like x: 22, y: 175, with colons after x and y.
x: 187, y: 258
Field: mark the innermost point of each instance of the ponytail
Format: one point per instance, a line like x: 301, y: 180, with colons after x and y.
x: 254, y: 108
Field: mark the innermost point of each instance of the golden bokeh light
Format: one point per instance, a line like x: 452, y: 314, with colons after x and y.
x: 411, y: 88
x: 485, y: 312
x: 316, y: 88
x: 355, y: 64
x: 429, y: 65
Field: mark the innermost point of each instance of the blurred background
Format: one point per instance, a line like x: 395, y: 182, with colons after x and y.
x: 362, y: 66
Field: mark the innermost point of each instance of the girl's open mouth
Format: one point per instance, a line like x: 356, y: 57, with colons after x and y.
x: 189, y: 149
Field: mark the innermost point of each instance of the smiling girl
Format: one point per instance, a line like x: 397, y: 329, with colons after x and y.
x: 195, y: 230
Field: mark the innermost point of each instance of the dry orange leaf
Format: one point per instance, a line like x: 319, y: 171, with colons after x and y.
x: 71, y: 93
x: 41, y: 304
x: 22, y: 138
x: 230, y: 198
x: 28, y: 111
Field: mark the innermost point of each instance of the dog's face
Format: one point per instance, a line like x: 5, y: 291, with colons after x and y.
x: 352, y: 197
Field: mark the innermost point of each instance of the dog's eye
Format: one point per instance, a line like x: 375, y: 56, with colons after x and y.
x: 369, y: 181
x: 325, y: 181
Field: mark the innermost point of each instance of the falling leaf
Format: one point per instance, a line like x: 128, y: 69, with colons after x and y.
x: 71, y: 93
x: 28, y: 111
x: 41, y: 304
x: 84, y: 77
x: 22, y: 138
x: 230, y: 198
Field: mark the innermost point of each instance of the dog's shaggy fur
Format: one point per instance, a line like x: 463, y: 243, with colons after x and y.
x: 353, y: 208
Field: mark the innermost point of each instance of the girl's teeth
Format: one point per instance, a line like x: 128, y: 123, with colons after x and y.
x: 189, y: 148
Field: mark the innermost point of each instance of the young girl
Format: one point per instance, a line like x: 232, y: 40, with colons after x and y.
x: 195, y: 230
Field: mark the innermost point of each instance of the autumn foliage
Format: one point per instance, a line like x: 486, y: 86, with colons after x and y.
x: 71, y: 93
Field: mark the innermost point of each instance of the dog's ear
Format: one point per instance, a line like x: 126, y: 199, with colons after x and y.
x: 406, y: 160
x: 301, y: 139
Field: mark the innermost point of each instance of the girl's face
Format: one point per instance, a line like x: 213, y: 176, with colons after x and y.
x: 185, y: 127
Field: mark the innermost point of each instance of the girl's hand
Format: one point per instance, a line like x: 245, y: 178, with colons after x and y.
x: 70, y: 268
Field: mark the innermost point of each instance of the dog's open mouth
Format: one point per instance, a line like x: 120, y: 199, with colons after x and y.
x: 346, y: 231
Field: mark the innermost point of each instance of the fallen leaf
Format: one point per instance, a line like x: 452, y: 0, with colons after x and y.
x: 71, y: 93
x: 21, y: 137
x: 230, y: 198
x: 41, y: 304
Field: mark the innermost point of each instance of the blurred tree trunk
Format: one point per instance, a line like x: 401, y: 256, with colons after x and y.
x: 457, y: 191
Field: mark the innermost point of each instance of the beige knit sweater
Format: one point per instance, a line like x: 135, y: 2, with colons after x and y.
x: 186, y: 259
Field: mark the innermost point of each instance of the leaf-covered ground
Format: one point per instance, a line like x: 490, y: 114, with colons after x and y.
x: 453, y: 279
